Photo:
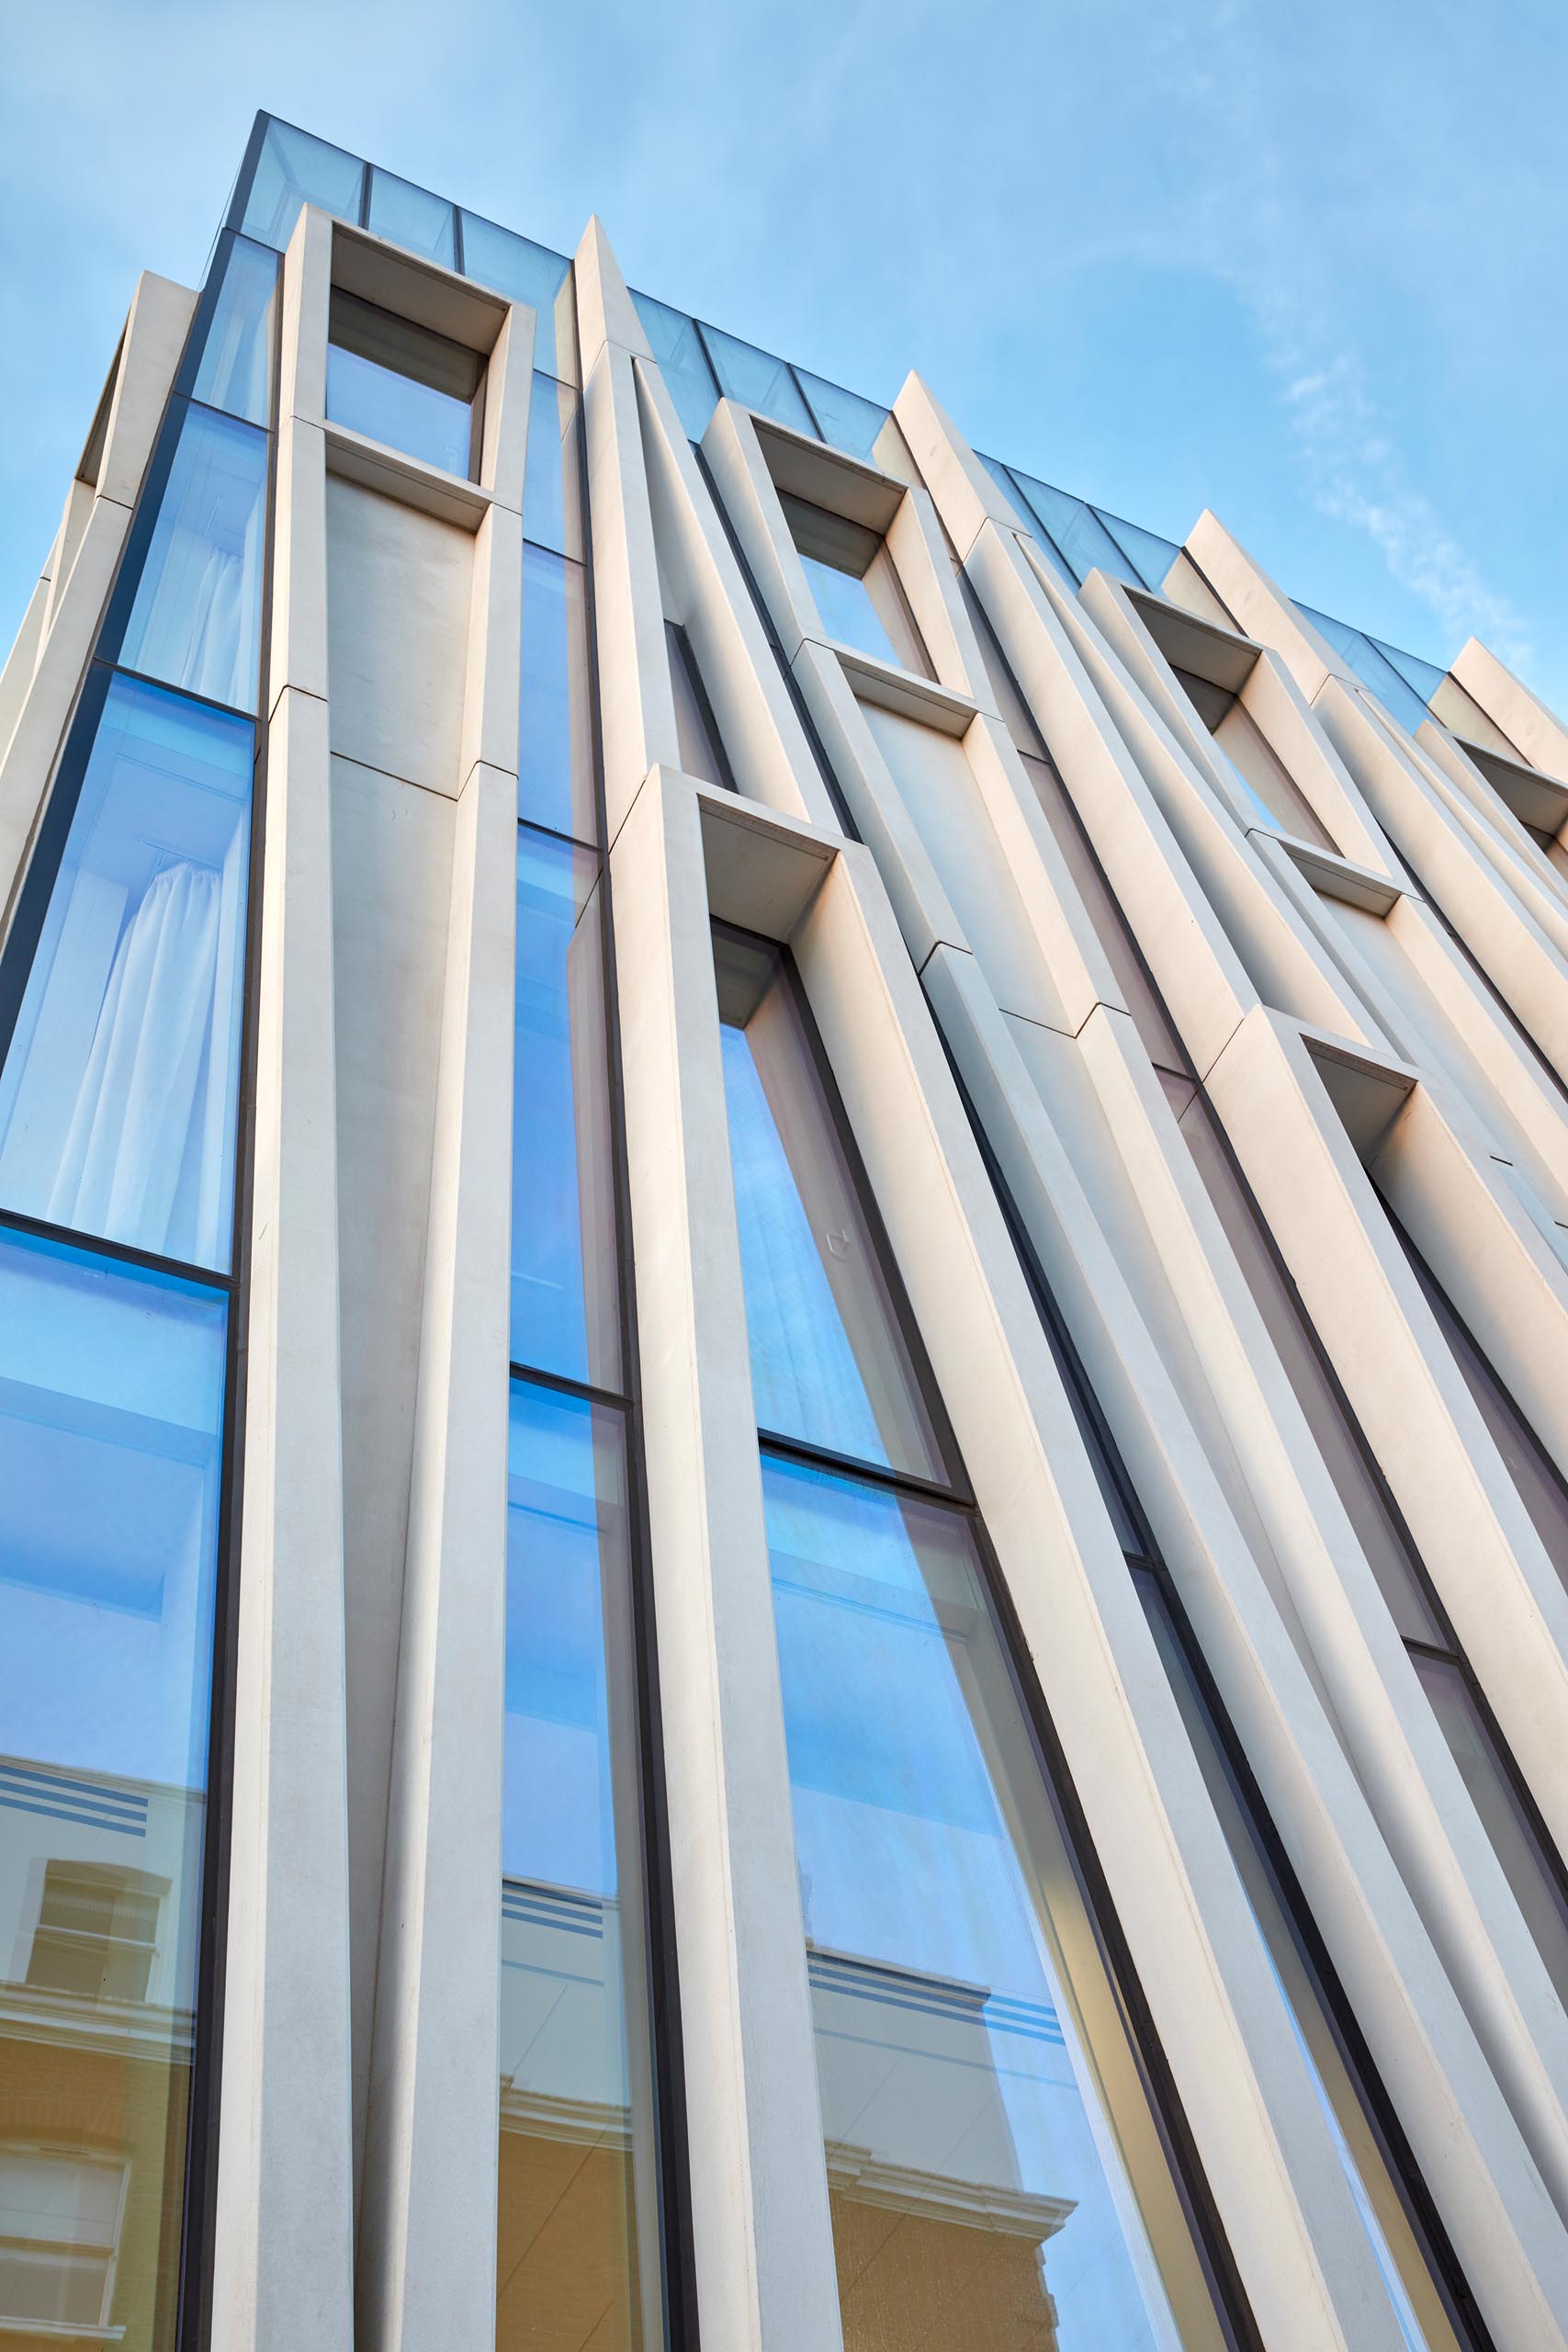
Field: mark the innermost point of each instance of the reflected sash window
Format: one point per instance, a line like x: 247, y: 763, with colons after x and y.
x: 196, y: 619
x: 830, y: 1365
x: 565, y: 1296
x: 577, y: 2249
x: 236, y: 360
x: 118, y: 1088
x: 403, y: 385
x: 994, y: 2173
x: 111, y: 1411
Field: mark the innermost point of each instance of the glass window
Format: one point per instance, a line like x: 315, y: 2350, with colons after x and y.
x: 702, y: 751
x: 552, y: 492
x: 406, y: 215
x: 402, y: 385
x: 856, y: 588
x: 576, y: 2248
x: 295, y: 169
x: 111, y: 1406
x: 196, y: 619
x: 682, y: 363
x: 118, y: 1091
x: 1537, y: 1888
x: 236, y: 360
x: 995, y: 2174
x: 524, y: 272
x: 1422, y: 2317
x: 555, y: 752
x: 759, y: 381
x: 1085, y: 543
x: 565, y: 1296
x: 847, y: 421
x: 830, y: 1365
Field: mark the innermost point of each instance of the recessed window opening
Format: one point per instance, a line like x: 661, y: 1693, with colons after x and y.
x: 404, y: 385
x: 996, y: 2170
x: 858, y: 590
x: 1262, y: 774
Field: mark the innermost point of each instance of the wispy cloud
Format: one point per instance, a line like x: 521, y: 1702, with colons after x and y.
x: 1354, y: 476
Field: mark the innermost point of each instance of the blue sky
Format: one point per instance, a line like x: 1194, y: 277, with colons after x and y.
x: 1304, y: 264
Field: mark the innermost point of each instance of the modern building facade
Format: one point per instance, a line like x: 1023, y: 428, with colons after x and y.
x: 784, y: 1304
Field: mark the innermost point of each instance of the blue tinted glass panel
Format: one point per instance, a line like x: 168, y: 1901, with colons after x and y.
x: 829, y: 1361
x: 406, y: 215
x: 1085, y: 543
x: 1397, y: 696
x: 552, y: 493
x: 1150, y: 556
x: 1422, y: 677
x: 197, y: 618
x: 577, y: 2122
x: 682, y: 362
x: 112, y: 1405
x: 523, y: 273
x: 118, y: 1095
x: 236, y: 361
x: 554, y: 756
x: 1399, y: 2254
x: 295, y: 169
x: 1028, y: 520
x: 759, y: 381
x: 564, y: 1296
x: 953, y: 1966
x: 847, y: 421
x: 400, y: 384
x: 848, y: 614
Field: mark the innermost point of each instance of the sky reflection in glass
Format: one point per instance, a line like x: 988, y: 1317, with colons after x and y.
x: 111, y: 1409
x: 945, y: 1930
x: 830, y: 1363
x: 236, y: 374
x: 565, y: 1310
x: 196, y: 619
x: 554, y: 752
x: 119, y: 1091
x: 576, y: 2103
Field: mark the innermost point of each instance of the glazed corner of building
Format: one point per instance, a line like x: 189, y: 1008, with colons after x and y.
x: 676, y: 1059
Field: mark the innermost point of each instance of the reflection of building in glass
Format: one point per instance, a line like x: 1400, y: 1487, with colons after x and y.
x: 97, y: 2012
x: 932, y: 2224
x: 781, y: 1229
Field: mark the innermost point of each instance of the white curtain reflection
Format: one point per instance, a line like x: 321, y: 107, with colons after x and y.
x: 196, y: 619
x: 117, y: 1096
x: 136, y: 1109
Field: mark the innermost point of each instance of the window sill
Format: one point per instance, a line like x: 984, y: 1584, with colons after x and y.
x: 448, y: 497
x: 903, y: 691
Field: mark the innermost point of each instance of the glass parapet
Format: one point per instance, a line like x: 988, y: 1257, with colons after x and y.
x: 111, y: 1410
x: 293, y: 170
x: 683, y: 362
